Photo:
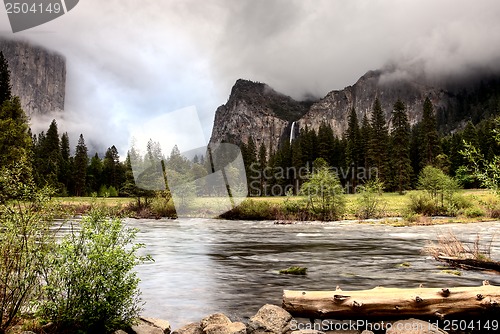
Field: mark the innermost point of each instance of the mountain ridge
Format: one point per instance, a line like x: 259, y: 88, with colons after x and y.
x: 247, y: 114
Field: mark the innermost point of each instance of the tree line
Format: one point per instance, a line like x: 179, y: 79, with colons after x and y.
x: 393, y: 152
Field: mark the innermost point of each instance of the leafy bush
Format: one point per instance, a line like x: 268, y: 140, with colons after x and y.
x: 325, y: 195
x: 25, y: 240
x: 91, y: 285
x: 252, y: 210
x: 370, y: 203
x: 439, y: 186
x: 423, y: 204
x: 473, y: 212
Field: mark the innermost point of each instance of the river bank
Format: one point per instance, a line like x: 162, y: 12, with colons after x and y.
x: 394, y: 209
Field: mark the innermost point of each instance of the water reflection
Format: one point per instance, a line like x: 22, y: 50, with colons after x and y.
x: 205, y: 266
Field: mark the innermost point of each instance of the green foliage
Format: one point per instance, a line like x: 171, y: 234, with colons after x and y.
x: 80, y: 169
x: 429, y: 138
x: 5, y: 84
x: 437, y: 184
x: 440, y: 196
x: 486, y: 171
x: 252, y: 210
x: 370, y: 203
x: 15, y: 141
x: 378, y: 143
x: 92, y: 285
x: 25, y: 242
x: 474, y: 212
x: 400, y: 142
x: 325, y: 195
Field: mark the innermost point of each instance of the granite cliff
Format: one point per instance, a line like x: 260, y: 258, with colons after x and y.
x: 255, y: 109
x: 38, y: 76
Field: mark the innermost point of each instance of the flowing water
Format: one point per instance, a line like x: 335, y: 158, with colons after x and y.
x: 205, y: 266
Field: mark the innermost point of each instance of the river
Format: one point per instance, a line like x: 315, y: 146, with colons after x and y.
x: 203, y: 266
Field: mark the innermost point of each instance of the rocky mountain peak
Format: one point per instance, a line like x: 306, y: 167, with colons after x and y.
x: 38, y: 76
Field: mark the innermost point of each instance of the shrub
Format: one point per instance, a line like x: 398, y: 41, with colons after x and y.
x: 91, y: 286
x: 325, y: 195
x: 439, y: 186
x: 25, y: 240
x: 370, y: 204
x: 473, y: 212
x: 252, y: 210
x: 423, y: 204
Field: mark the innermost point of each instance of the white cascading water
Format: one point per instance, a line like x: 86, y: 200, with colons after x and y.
x: 292, y: 133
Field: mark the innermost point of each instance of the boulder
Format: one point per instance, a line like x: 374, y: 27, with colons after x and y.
x: 219, y: 323
x: 192, y: 328
x: 215, y: 319
x: 232, y: 328
x: 414, y: 326
x: 270, y: 319
x: 151, y: 326
x: 307, y: 331
x: 119, y: 332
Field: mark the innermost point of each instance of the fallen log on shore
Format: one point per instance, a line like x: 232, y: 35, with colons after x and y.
x: 466, y: 263
x: 394, y: 303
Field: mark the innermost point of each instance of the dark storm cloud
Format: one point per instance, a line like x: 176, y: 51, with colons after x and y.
x: 132, y: 60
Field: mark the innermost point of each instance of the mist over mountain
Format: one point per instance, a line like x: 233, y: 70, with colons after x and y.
x: 258, y: 111
x: 38, y: 76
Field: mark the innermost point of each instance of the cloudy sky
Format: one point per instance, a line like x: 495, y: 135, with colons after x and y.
x: 131, y: 61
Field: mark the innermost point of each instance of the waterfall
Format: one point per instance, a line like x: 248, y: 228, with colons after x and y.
x: 292, y: 133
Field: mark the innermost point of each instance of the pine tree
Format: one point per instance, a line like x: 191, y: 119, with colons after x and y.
x: 354, y: 147
x: 378, y: 145
x: 401, y: 163
x: 94, y: 174
x: 51, y: 156
x: 15, y: 141
x: 5, y: 84
x: 64, y: 169
x: 262, y: 166
x: 326, y: 143
x: 429, y: 138
x: 113, y: 171
x: 366, y: 134
x: 250, y: 160
x: 80, y: 166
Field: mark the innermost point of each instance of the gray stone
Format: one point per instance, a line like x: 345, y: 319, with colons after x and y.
x: 146, y: 327
x: 119, y: 332
x: 192, y: 328
x: 414, y: 326
x: 231, y: 328
x: 270, y: 319
x: 215, y: 319
x: 164, y: 325
x: 367, y: 332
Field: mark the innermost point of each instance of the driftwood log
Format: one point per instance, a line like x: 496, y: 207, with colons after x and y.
x: 393, y: 303
x: 470, y: 263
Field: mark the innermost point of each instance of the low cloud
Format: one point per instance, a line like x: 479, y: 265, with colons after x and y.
x: 131, y: 61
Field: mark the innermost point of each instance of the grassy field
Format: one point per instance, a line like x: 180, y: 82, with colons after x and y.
x: 394, y: 205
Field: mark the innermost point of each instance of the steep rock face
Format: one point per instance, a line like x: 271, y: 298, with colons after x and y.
x: 38, y: 76
x: 335, y: 107
x: 256, y: 110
